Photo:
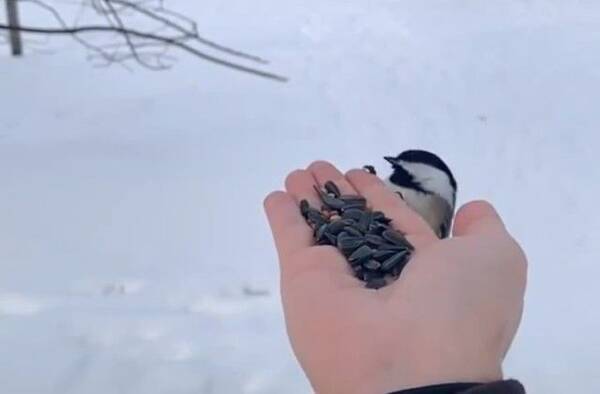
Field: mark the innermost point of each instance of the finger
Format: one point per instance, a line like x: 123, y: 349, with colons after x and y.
x: 300, y: 184
x: 323, y: 171
x: 290, y: 231
x: 383, y: 199
x: 477, y: 217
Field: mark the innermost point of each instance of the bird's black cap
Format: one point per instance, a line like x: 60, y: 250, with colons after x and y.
x: 425, y: 157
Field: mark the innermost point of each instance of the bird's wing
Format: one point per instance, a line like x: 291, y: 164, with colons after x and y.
x: 443, y: 230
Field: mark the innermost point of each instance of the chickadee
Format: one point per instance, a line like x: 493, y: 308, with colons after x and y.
x: 427, y: 185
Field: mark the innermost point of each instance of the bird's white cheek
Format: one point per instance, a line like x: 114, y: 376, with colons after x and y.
x: 425, y: 205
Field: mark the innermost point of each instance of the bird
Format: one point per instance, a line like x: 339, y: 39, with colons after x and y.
x: 427, y: 185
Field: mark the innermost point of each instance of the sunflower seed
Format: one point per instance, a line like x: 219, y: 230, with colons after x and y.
x: 331, y: 238
x: 332, y: 188
x: 365, y: 221
x: 348, y: 245
x: 372, y: 265
x: 392, y: 247
x: 382, y: 255
x: 358, y: 272
x: 361, y: 254
x: 397, y: 238
x: 320, y: 233
x: 374, y: 240
x: 314, y: 217
x: 380, y: 217
x: 353, y: 231
x: 376, y: 283
x: 335, y: 227
x: 370, y: 169
x: 350, y: 198
x: 352, y: 213
x: 329, y: 201
x: 377, y: 228
x: 370, y: 275
x: 397, y: 270
x: 324, y: 242
x: 304, y: 207
x: 354, y: 202
x: 355, y: 205
x: 398, y: 258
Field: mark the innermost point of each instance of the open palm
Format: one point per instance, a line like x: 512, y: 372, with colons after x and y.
x: 451, y: 316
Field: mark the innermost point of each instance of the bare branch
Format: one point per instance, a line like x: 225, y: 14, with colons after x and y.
x: 150, y: 36
x: 193, y: 34
x: 148, y: 48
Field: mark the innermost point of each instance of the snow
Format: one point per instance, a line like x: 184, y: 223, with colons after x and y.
x: 131, y: 224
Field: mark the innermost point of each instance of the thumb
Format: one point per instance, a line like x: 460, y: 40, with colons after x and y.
x: 477, y: 217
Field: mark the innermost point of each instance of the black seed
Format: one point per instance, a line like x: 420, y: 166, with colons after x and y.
x: 348, y: 222
x: 354, y: 214
x: 336, y: 227
x: 315, y: 217
x: 400, y: 194
x: 304, y: 207
x: 360, y: 255
x: 353, y: 202
x: 376, y: 284
x: 398, y: 258
x: 397, y: 238
x: 393, y: 248
x: 334, y: 203
x: 353, y: 231
x: 331, y: 238
x: 343, y: 234
x: 359, y: 273
x: 324, y: 242
x: 374, y: 240
x: 320, y: 233
x: 329, y: 201
x: 380, y: 217
x: 377, y: 215
x: 355, y: 205
x: 370, y: 275
x: 332, y: 188
x: 350, y: 198
x: 370, y: 169
x: 348, y: 245
x: 372, y: 265
x: 382, y: 255
x: 377, y: 228
x: 365, y: 221
x: 397, y: 270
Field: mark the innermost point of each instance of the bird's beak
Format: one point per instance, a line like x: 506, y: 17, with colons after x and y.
x: 390, y: 159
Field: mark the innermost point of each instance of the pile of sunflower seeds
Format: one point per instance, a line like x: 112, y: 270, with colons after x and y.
x: 376, y: 252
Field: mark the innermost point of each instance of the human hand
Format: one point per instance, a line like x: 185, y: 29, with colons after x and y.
x: 450, y: 317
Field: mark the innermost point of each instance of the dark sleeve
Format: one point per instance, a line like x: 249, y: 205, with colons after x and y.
x: 501, y: 387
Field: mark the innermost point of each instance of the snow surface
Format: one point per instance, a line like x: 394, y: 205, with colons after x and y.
x: 134, y: 254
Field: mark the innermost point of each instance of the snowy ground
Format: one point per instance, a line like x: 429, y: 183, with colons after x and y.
x: 130, y: 203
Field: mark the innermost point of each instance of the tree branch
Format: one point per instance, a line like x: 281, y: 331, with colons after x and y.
x: 150, y: 36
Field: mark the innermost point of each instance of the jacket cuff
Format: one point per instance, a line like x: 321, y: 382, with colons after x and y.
x: 500, y: 387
